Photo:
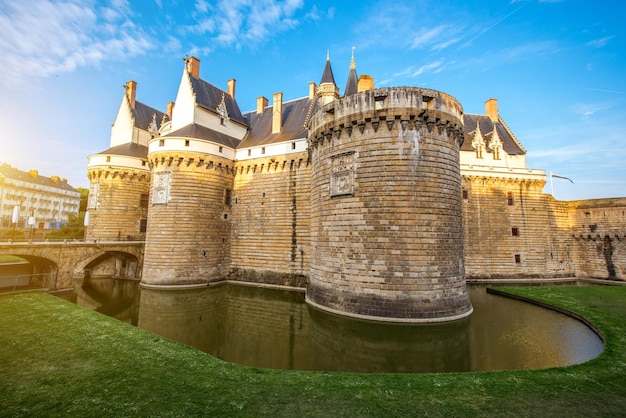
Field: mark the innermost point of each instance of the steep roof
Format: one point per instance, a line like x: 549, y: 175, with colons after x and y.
x: 352, y: 85
x: 327, y: 76
x: 8, y: 172
x: 510, y: 144
x: 129, y: 149
x: 143, y: 115
x: 193, y: 130
x: 260, y: 124
x: 210, y: 97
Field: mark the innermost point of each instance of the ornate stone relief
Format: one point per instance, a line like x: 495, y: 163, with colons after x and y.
x: 342, y: 174
x: 161, y: 187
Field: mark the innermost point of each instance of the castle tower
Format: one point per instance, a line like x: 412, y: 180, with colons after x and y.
x: 187, y: 240
x: 386, y: 228
x: 119, y: 177
x: 328, y: 89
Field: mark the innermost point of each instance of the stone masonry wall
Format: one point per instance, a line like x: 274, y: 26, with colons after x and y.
x: 386, y: 206
x: 188, y: 236
x: 117, y: 211
x: 271, y: 212
x: 598, y: 237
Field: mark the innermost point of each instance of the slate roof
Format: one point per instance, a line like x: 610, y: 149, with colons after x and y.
x: 260, y: 124
x: 210, y: 97
x: 352, y: 83
x: 6, y: 171
x: 193, y: 130
x: 143, y: 115
x: 327, y: 76
x: 510, y: 144
x: 129, y: 149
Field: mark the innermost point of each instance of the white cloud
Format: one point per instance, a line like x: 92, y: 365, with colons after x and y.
x: 428, y: 67
x: 599, y: 43
x: 237, y: 22
x: 45, y: 37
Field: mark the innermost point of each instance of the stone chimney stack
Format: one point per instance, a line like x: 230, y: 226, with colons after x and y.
x: 193, y: 66
x: 170, y: 110
x: 131, y: 91
x: 33, y: 173
x: 491, y: 109
x: 231, y: 87
x: 366, y: 82
x: 312, y: 90
x: 277, y: 120
x: 261, y: 104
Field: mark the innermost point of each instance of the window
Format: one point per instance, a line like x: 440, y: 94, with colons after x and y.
x: 262, y: 150
x: 143, y: 225
x: 509, y: 198
x: 496, y: 153
x: 108, y: 158
x: 143, y: 200
x: 465, y: 195
x: 161, y: 142
x: 293, y: 145
x: 249, y: 152
x: 221, y: 149
x: 479, y: 152
x: 186, y: 142
x: 228, y: 197
x: 515, y: 232
x: 518, y: 259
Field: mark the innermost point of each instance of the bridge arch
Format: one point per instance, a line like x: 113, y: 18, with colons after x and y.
x: 116, y: 264
x: 39, y: 272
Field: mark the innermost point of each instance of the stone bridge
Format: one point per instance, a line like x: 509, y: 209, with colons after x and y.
x: 55, y: 264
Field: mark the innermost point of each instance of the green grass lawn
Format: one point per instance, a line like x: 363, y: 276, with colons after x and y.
x: 57, y: 359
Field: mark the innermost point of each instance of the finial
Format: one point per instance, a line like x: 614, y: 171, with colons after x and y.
x: 328, y: 54
x: 352, y: 62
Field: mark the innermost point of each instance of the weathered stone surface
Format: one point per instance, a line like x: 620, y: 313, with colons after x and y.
x: 386, y: 226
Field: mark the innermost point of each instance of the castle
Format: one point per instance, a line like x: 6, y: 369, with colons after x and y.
x: 380, y: 202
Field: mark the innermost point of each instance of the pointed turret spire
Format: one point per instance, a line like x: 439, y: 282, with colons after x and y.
x: 328, y: 88
x: 328, y: 77
x: 353, y: 80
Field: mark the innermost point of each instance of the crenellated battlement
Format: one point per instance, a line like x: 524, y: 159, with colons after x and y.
x: 409, y: 107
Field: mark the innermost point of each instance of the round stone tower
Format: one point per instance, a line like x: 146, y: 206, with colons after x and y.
x: 118, y: 195
x: 386, y: 229
x: 189, y: 212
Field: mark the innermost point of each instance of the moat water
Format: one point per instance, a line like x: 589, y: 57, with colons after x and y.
x: 276, y: 329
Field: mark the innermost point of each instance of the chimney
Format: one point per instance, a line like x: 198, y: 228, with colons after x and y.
x: 277, y: 120
x: 33, y: 173
x: 366, y: 82
x: 491, y: 109
x: 55, y: 179
x: 131, y: 91
x: 261, y: 104
x: 312, y: 88
x: 170, y: 109
x: 231, y: 87
x: 193, y: 66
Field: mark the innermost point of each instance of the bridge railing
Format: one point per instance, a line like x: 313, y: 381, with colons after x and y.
x: 75, y: 241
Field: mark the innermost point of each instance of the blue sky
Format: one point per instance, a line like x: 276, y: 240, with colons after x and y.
x: 557, y: 68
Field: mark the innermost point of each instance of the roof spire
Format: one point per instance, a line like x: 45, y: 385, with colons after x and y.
x: 352, y: 85
x: 327, y: 76
x: 352, y: 63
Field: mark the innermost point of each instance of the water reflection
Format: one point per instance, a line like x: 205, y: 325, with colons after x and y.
x: 277, y: 329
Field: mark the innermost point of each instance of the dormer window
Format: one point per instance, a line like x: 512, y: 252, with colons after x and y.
x: 221, y: 110
x: 478, y: 142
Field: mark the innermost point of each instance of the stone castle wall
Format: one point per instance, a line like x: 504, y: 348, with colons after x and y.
x: 115, y: 204
x: 386, y: 206
x: 189, y: 221
x: 598, y: 237
x: 270, y: 218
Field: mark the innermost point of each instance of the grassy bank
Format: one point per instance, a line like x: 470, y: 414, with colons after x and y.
x: 57, y: 359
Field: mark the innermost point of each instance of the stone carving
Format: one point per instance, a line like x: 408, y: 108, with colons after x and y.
x: 161, y: 187
x: 342, y: 175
